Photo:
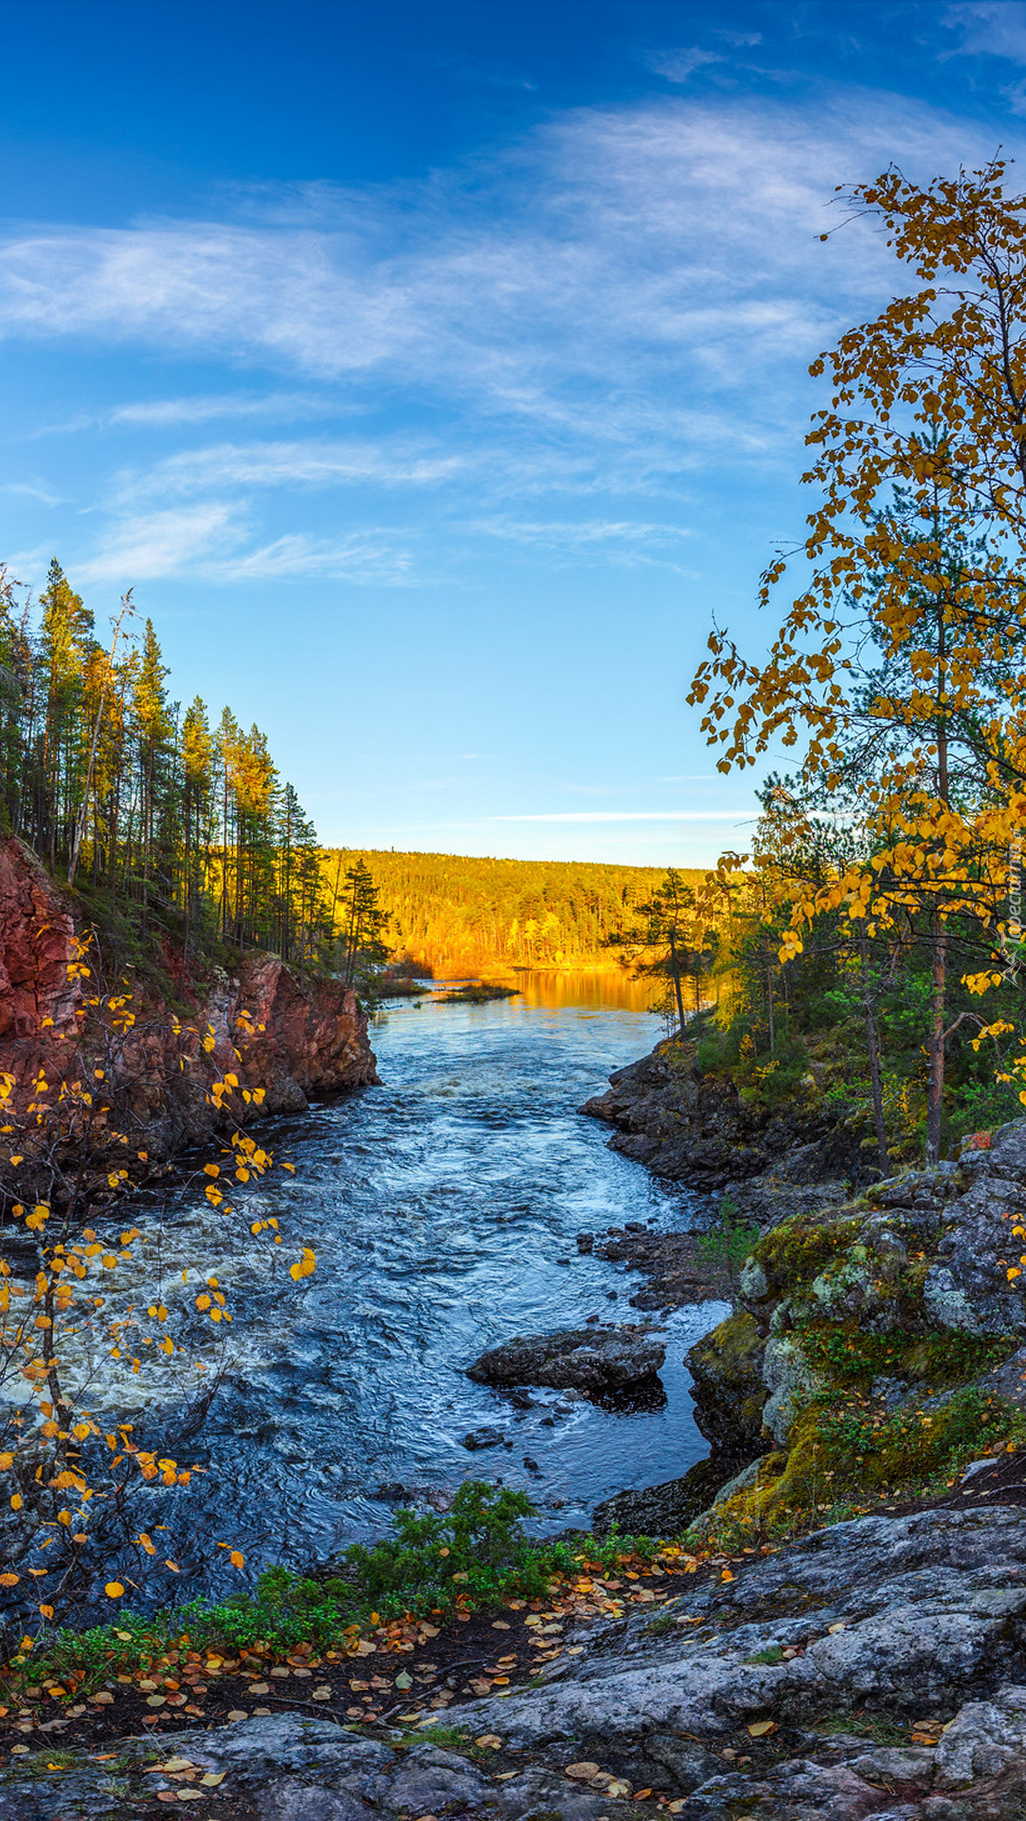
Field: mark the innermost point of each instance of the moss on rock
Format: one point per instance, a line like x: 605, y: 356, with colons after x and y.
x: 729, y: 1392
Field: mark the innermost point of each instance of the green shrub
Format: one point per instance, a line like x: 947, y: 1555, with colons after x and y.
x: 474, y: 1548
x: 850, y: 1356
x: 729, y: 1239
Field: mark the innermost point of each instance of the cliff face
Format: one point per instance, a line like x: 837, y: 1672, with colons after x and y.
x: 292, y: 1041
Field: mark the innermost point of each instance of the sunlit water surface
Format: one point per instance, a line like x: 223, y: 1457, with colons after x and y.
x: 440, y: 1207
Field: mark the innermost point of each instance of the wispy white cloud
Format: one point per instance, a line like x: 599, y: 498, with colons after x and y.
x: 161, y: 413
x: 369, y: 556
x: 159, y: 544
x: 312, y: 463
x: 635, y: 815
x: 626, y: 297
x: 33, y: 490
x: 625, y: 542
x: 214, y: 541
x: 995, y: 28
x: 678, y: 65
x: 654, y: 254
x: 581, y: 532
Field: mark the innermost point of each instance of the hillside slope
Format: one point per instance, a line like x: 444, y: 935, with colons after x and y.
x: 460, y: 914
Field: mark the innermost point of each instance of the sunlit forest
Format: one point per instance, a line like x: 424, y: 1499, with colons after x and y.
x: 179, y: 825
x: 458, y: 915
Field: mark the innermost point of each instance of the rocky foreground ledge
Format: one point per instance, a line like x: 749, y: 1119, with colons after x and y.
x: 876, y: 1669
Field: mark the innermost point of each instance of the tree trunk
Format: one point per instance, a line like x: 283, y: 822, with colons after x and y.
x: 873, y: 1052
x: 675, y: 970
x: 939, y: 940
x: 935, y: 1041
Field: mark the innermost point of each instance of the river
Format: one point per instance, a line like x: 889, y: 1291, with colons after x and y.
x: 443, y: 1209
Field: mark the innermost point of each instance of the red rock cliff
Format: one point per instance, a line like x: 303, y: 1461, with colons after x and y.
x: 305, y: 1042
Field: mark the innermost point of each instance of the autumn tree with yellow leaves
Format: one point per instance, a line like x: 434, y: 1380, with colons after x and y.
x: 73, y: 1332
x: 898, y: 674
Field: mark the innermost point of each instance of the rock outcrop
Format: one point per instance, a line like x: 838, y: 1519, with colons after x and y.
x: 664, y: 1510
x: 919, y: 1618
x: 287, y: 1041
x: 729, y: 1389
x: 876, y: 1342
x: 698, y: 1129
x: 593, y: 1360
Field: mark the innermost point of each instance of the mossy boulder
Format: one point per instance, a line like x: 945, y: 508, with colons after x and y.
x: 729, y: 1392
x: 865, y: 1387
x: 843, y: 1457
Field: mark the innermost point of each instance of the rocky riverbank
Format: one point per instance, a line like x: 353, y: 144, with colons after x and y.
x: 877, y: 1343
x: 287, y: 1041
x: 699, y: 1129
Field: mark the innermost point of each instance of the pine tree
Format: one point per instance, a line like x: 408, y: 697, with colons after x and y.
x: 67, y: 627
x: 361, y: 942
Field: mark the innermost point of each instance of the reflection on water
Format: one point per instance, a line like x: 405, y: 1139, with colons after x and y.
x: 611, y: 990
x: 443, y: 1208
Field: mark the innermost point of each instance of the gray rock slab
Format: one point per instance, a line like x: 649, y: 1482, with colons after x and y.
x: 930, y: 1608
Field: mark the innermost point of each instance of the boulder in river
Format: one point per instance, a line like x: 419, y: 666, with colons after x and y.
x: 617, y: 1358
x: 483, y: 1438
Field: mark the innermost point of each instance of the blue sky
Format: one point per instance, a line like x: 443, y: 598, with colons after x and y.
x: 435, y: 373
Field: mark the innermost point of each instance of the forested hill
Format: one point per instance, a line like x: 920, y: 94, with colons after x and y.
x: 460, y: 915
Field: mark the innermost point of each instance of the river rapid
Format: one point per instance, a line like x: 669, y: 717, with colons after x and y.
x: 443, y: 1209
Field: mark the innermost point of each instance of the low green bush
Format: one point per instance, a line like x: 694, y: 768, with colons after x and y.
x: 477, y: 1553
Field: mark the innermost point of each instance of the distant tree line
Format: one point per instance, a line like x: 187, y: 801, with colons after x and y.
x: 458, y: 915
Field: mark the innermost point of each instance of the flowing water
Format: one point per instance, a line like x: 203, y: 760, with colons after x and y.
x: 443, y: 1209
